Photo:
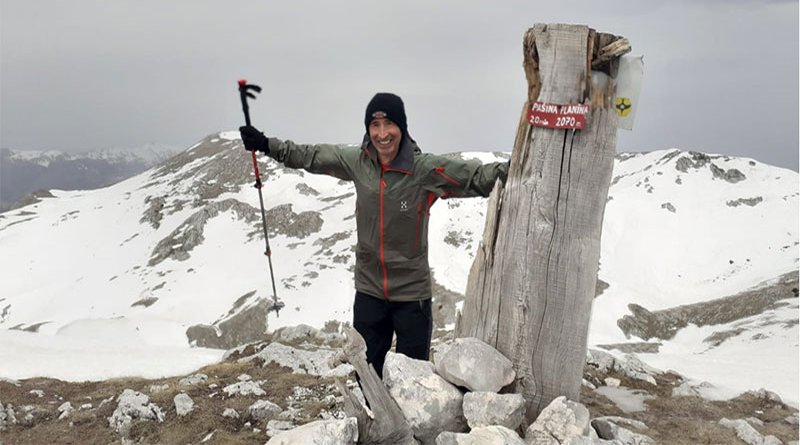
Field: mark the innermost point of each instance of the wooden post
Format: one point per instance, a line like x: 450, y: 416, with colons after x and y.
x: 530, y: 289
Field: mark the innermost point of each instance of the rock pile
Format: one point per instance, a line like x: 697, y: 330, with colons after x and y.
x: 456, y: 401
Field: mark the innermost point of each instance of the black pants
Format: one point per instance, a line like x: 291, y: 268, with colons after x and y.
x: 377, y: 320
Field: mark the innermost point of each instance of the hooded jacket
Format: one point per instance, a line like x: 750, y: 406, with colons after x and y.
x: 393, y: 206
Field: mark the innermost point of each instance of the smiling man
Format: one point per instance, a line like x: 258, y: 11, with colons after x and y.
x: 396, y: 185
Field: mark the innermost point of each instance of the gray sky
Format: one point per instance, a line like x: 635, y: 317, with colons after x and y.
x: 721, y: 76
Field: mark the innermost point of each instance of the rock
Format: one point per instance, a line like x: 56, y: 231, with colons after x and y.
x: 7, y: 416
x: 430, y: 403
x: 630, y: 365
x: 275, y: 427
x: 685, y: 390
x: 244, y: 377
x: 487, y: 408
x: 194, y: 379
x: 154, y: 389
x: 37, y: 392
x: 64, y: 410
x: 245, y: 388
x: 230, y: 413
x: 489, y: 435
x: 263, y: 411
x: 320, y: 432
x: 561, y: 420
x: 296, y: 333
x: 748, y: 434
x: 244, y: 323
x: 458, y: 363
x: 133, y: 405
x: 183, y: 404
x: 612, y: 382
x: 302, y: 361
x: 766, y: 395
x: 791, y: 420
x: 607, y: 428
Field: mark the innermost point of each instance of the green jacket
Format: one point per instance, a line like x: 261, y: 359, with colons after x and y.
x: 393, y: 206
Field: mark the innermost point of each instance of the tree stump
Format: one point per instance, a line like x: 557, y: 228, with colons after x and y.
x: 530, y: 288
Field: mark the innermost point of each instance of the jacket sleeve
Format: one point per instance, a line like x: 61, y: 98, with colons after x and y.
x: 459, y: 178
x: 326, y: 159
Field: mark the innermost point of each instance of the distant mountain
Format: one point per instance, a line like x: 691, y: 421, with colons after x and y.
x: 698, y: 266
x: 24, y: 172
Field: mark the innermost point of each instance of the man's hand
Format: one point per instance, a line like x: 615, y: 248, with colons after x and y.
x: 254, y: 139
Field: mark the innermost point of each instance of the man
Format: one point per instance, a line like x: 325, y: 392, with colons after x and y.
x: 396, y: 185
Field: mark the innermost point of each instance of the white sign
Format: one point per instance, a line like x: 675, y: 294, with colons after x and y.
x: 628, y: 85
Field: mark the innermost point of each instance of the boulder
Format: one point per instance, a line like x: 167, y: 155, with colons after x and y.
x: 194, y: 379
x: 488, y: 435
x: 64, y: 410
x: 133, y: 405
x: 183, y: 404
x: 488, y: 408
x: 7, y: 416
x: 320, y: 432
x: 748, y: 434
x: 263, y: 411
x: 429, y: 403
x: 244, y: 388
x: 608, y: 428
x: 302, y: 361
x: 561, y: 420
x: 230, y: 413
x: 457, y: 364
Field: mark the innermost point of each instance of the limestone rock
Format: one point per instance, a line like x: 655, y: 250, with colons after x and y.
x: 457, y: 364
x: 430, y: 403
x: 7, y: 416
x: 194, y: 379
x: 133, y: 405
x: 302, y: 361
x: 64, y: 410
x: 263, y: 411
x: 183, y: 404
x: 561, y: 420
x: 748, y: 434
x: 320, y: 432
x: 489, y: 435
x: 607, y: 428
x: 487, y: 408
x: 244, y: 388
x: 245, y: 322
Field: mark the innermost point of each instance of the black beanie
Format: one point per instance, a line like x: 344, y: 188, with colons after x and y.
x: 392, y: 107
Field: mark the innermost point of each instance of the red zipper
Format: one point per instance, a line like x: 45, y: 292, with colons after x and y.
x: 382, y: 258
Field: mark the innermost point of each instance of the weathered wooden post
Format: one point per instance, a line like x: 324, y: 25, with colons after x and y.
x: 530, y: 289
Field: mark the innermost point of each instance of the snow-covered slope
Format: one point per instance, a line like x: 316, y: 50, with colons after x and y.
x: 138, y: 263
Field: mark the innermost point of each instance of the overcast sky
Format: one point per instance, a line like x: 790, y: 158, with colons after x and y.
x: 721, y: 76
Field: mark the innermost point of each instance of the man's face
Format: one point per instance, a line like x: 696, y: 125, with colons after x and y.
x: 385, y: 136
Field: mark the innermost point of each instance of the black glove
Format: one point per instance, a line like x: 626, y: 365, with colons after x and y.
x: 254, y: 139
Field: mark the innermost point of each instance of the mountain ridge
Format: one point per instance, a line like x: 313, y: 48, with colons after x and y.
x: 182, y: 234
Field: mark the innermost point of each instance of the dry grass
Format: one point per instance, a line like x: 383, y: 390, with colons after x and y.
x: 670, y: 420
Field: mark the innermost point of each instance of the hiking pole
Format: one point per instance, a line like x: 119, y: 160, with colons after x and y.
x: 244, y: 93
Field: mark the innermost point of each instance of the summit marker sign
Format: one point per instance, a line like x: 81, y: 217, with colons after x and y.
x: 550, y: 115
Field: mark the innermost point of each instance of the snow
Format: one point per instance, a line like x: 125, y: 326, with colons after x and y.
x: 24, y: 355
x: 74, y: 266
